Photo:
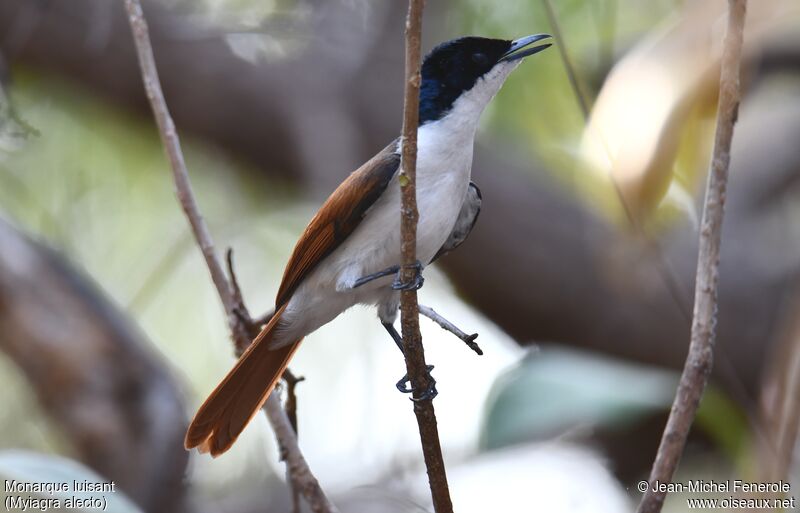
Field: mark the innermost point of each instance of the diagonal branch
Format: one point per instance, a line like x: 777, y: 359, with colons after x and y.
x: 300, y: 473
x: 409, y: 307
x: 446, y: 325
x: 701, y: 348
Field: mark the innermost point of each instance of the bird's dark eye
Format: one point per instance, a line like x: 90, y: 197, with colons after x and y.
x: 480, y: 59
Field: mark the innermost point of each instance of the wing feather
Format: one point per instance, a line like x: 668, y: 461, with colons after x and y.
x: 465, y: 222
x: 338, y: 217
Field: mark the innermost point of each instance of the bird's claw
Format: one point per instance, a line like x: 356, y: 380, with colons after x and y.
x: 429, y: 393
x: 414, y: 284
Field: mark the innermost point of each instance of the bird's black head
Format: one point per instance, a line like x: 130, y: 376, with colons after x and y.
x: 455, y: 66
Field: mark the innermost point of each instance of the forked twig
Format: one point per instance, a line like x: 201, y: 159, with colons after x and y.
x: 412, y: 340
x: 701, y: 347
x: 431, y: 314
x: 301, y: 475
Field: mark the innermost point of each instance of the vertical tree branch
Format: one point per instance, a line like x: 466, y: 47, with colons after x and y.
x: 300, y: 473
x: 409, y: 307
x: 701, y: 347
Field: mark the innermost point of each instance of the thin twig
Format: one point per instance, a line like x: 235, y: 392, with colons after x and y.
x: 300, y: 473
x: 701, y: 348
x: 291, y: 396
x: 299, y: 470
x: 431, y: 314
x: 412, y: 340
x: 562, y: 51
x: 665, y: 270
x: 291, y: 413
x: 152, y: 283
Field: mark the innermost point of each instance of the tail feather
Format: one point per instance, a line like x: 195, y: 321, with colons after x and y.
x: 235, y: 401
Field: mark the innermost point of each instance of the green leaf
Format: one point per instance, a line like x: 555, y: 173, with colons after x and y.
x: 556, y: 389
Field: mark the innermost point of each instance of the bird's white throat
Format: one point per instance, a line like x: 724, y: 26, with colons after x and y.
x: 441, y: 144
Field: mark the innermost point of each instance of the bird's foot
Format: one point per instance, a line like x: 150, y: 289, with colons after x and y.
x: 429, y: 393
x: 415, y: 283
x: 374, y: 276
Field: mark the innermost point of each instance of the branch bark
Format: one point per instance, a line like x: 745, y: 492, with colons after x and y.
x: 299, y: 471
x: 409, y: 307
x: 701, y: 348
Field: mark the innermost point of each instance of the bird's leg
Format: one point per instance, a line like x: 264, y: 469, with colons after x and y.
x: 374, y: 276
x: 415, y: 283
x: 431, y: 391
x: 397, y: 284
x: 395, y: 336
x: 452, y: 328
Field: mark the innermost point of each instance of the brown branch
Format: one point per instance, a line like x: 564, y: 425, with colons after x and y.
x: 300, y: 473
x: 254, y: 327
x: 409, y: 307
x: 291, y: 413
x: 701, y: 347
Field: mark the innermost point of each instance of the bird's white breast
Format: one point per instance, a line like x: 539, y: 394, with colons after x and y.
x: 444, y: 163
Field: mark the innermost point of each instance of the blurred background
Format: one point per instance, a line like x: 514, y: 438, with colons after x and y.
x: 578, y: 276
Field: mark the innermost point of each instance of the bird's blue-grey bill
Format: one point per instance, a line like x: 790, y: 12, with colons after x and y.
x: 522, y: 47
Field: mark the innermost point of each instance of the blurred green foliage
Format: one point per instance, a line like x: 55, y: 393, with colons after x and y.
x: 96, y: 185
x: 540, y: 103
x: 557, y: 389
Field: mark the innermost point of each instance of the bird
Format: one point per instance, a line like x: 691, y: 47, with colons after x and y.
x: 350, y: 251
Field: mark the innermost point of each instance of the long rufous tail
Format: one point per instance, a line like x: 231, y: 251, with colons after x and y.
x: 235, y: 401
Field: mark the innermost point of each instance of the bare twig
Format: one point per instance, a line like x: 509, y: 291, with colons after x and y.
x: 412, y: 340
x: 299, y: 471
x: 701, y: 348
x: 291, y: 413
x: 302, y: 478
x: 562, y: 51
x: 431, y: 314
x: 665, y: 270
x: 291, y: 396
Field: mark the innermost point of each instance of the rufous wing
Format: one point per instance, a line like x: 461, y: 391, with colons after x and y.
x: 235, y: 401
x: 338, y: 217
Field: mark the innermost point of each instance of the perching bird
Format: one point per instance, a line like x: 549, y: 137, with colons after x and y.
x: 350, y: 250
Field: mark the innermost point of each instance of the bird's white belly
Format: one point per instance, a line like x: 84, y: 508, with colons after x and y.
x: 444, y: 162
x: 375, y: 245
